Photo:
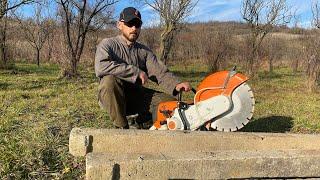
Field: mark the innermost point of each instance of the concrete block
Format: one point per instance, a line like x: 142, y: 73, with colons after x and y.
x: 205, y: 165
x: 83, y: 141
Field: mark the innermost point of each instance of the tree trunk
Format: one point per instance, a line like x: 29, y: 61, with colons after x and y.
x: 50, y: 49
x: 3, y: 60
x: 70, y: 71
x: 213, y: 64
x: 166, y: 43
x: 295, y: 65
x: 74, y: 67
x: 270, y: 65
x: 313, y: 73
x: 250, y: 61
x: 38, y: 57
x: 252, y: 51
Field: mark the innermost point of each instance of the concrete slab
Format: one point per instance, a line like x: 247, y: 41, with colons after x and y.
x: 205, y: 165
x: 83, y: 141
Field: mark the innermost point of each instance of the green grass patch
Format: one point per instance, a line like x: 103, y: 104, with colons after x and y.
x: 284, y: 104
x: 38, y: 111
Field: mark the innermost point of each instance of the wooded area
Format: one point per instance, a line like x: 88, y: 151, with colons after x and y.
x: 262, y: 40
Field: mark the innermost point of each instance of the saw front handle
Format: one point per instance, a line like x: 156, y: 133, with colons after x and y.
x: 180, y: 93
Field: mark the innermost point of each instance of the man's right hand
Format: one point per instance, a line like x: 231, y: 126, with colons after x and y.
x: 185, y: 86
x: 143, y: 76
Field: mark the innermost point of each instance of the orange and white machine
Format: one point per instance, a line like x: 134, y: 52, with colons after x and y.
x: 223, y: 101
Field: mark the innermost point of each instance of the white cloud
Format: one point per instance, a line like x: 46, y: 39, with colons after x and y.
x: 229, y: 14
x: 146, y: 8
x: 221, y: 10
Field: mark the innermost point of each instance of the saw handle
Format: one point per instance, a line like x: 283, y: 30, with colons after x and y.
x: 180, y: 93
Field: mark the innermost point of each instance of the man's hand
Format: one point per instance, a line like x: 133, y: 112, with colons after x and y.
x: 184, y: 86
x: 143, y: 76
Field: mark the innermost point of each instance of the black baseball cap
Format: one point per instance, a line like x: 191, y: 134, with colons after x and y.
x: 130, y: 13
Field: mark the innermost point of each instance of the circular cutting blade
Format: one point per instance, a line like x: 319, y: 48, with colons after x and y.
x: 240, y: 112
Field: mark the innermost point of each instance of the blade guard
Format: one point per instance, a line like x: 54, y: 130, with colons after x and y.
x: 219, y: 83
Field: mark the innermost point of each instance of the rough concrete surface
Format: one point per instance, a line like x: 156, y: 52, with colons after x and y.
x: 205, y: 165
x: 83, y: 141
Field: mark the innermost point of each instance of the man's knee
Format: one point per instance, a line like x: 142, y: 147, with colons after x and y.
x: 111, y: 99
x: 109, y: 84
x: 110, y: 92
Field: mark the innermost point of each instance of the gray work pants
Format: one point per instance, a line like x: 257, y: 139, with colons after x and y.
x: 120, y: 98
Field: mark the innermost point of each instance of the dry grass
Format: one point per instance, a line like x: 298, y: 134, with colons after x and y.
x: 38, y: 110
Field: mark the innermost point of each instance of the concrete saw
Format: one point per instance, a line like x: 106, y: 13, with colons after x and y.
x: 223, y: 101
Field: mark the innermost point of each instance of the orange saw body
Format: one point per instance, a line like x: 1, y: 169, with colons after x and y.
x: 222, y: 98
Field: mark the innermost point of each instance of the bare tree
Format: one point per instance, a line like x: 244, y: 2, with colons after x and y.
x: 215, y: 48
x: 262, y: 16
x: 37, y: 30
x: 272, y: 49
x: 50, y: 39
x: 296, y: 21
x: 6, y: 6
x: 316, y: 13
x: 313, y: 70
x: 78, y: 18
x: 172, y: 13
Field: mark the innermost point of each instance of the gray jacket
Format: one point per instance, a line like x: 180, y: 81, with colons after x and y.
x: 115, y: 57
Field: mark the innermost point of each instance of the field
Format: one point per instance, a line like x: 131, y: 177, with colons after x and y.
x: 38, y: 110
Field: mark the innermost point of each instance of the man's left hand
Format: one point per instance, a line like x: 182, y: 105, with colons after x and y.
x: 184, y: 86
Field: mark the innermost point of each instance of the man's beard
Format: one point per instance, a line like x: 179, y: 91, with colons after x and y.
x: 132, y: 38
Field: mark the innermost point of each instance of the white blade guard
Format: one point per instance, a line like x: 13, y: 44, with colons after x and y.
x: 240, y: 112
